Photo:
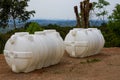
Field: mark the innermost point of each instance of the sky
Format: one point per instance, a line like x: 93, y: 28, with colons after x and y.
x: 59, y: 9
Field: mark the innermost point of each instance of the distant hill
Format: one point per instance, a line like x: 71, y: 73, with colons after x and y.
x: 43, y: 22
x: 64, y: 23
x: 61, y: 23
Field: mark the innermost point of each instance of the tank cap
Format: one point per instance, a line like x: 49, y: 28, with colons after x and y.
x: 73, y: 32
x: 13, y: 39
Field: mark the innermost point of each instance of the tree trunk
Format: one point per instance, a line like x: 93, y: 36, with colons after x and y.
x: 77, y: 16
x: 87, y: 14
x: 82, y: 14
x: 85, y: 8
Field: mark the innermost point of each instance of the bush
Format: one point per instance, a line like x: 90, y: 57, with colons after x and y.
x: 62, y: 30
x: 33, y: 26
x: 3, y: 39
x: 112, y: 39
x: 111, y: 33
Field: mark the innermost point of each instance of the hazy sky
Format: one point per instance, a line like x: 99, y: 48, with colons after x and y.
x: 59, y: 9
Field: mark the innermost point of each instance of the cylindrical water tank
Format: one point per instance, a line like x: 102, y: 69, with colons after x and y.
x: 81, y: 42
x: 26, y: 52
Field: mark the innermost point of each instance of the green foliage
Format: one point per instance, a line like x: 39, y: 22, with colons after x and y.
x: 90, y: 61
x: 116, y: 13
x: 33, y: 26
x: 115, y: 17
x: 14, y: 9
x: 62, y: 30
x: 2, y: 43
x: 100, y: 10
x: 112, y: 34
x: 110, y: 31
x: 102, y: 3
x: 111, y: 38
x: 115, y: 27
x: 16, y: 30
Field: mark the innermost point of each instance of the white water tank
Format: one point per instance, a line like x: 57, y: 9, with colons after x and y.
x: 26, y: 52
x: 81, y: 42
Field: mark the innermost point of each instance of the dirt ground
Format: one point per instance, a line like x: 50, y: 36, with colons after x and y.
x: 104, y: 66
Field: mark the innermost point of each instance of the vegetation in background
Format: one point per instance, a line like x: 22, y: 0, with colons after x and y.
x: 2, y: 42
x: 14, y: 10
x: 111, y: 36
x: 62, y: 30
x: 114, y: 25
x: 99, y: 9
x: 110, y: 30
x: 33, y: 26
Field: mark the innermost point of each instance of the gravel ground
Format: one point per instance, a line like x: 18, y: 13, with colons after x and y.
x: 104, y: 66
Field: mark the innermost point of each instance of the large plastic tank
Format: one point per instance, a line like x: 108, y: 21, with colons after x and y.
x: 25, y: 52
x: 81, y: 42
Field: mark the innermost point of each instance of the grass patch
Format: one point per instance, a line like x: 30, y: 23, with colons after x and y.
x: 90, y: 61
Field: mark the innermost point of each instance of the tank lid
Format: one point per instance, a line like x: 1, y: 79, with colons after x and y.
x: 13, y: 39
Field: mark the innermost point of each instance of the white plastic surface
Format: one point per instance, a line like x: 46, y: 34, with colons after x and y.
x: 81, y: 42
x: 25, y: 52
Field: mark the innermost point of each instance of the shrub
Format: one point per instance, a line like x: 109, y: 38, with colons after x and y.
x: 3, y: 39
x: 62, y: 30
x: 33, y: 26
x: 112, y: 39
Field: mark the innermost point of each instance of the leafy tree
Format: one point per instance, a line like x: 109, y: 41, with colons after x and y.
x: 114, y: 20
x: 14, y: 9
x: 116, y: 14
x: 100, y: 10
x: 112, y: 35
